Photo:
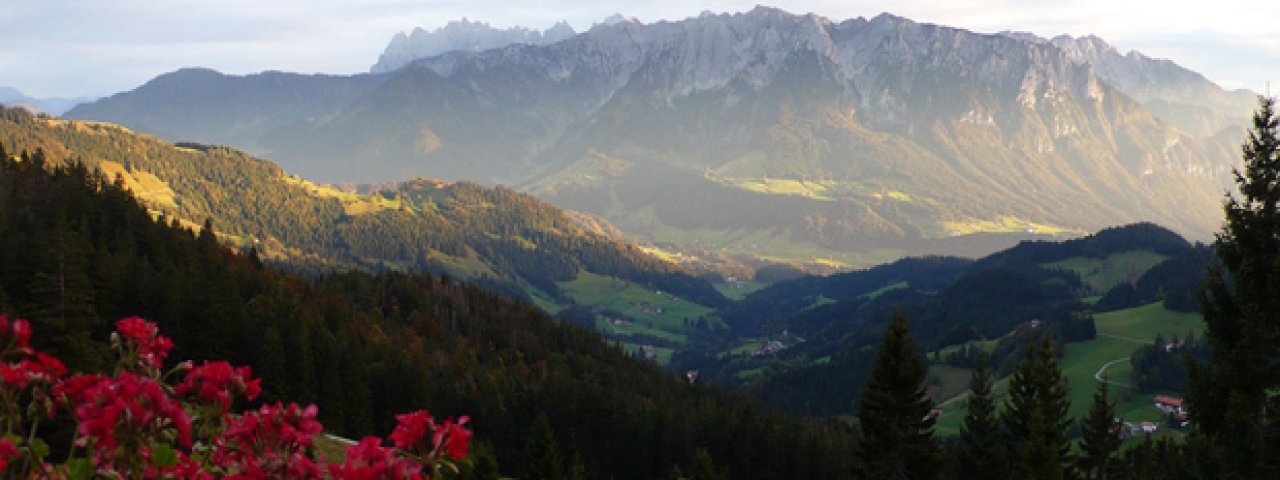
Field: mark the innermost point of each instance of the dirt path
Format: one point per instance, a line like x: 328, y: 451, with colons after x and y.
x: 1098, y: 375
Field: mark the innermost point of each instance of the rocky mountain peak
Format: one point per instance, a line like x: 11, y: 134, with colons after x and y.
x: 461, y: 35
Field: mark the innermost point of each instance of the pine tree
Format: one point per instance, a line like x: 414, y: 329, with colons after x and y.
x: 542, y: 458
x: 1100, y: 438
x: 896, y: 412
x: 1035, y: 417
x: 1232, y: 400
x: 978, y: 454
x: 704, y: 467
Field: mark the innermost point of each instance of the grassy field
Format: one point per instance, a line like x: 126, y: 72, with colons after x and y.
x: 1103, y: 274
x: 629, y: 329
x: 1120, y: 333
x: 1147, y: 321
x: 1005, y: 225
x: 634, y: 301
x: 872, y: 295
x: 739, y: 290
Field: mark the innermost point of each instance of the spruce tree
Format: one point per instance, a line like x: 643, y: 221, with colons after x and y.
x: 542, y: 458
x: 1099, y: 435
x: 978, y: 454
x: 896, y: 412
x: 1232, y: 400
x: 1035, y: 417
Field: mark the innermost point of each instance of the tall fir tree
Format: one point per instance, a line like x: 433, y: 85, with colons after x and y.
x: 1035, y: 417
x: 542, y: 458
x: 979, y: 452
x: 896, y: 411
x: 1099, y: 435
x: 1232, y: 400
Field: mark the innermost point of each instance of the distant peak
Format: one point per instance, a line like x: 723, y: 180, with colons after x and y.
x: 464, y: 34
x: 1023, y: 35
x: 613, y: 19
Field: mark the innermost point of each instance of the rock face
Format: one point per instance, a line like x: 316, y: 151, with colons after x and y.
x: 793, y: 131
x: 461, y: 35
x: 1173, y: 93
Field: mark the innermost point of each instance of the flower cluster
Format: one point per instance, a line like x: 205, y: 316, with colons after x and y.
x: 144, y: 344
x: 270, y: 443
x: 418, y: 432
x: 217, y: 383
x: 131, y: 424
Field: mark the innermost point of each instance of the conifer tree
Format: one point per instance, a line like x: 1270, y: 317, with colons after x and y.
x: 896, y: 412
x: 1100, y: 438
x: 1035, y: 417
x: 542, y: 453
x: 1232, y: 400
x: 978, y: 454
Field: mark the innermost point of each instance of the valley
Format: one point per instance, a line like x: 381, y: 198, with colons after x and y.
x: 755, y: 244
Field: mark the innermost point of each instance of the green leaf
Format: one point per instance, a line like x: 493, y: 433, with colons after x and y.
x: 162, y: 455
x: 79, y: 469
x: 39, y: 448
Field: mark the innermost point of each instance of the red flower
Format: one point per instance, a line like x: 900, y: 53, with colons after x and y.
x: 7, y: 449
x: 457, y: 438
x: 22, y: 335
x: 51, y: 365
x: 152, y: 347
x: 368, y: 460
x: 218, y: 382
x: 135, y: 403
x: 137, y: 329
x: 411, y: 428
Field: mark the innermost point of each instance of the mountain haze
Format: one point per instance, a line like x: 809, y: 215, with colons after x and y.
x: 55, y: 106
x: 771, y: 134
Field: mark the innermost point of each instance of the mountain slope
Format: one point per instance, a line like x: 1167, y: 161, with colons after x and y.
x: 77, y: 253
x: 204, y: 105
x: 844, y: 142
x: 1171, y: 92
x: 497, y: 236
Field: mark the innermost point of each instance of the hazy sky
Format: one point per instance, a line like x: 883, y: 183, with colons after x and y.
x: 97, y: 47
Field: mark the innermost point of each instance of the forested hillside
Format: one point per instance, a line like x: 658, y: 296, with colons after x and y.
x: 806, y: 344
x: 508, y: 241
x: 77, y: 251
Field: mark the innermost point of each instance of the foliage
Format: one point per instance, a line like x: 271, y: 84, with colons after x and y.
x: 134, y: 424
x: 1233, y: 400
x: 1100, y: 435
x: 1035, y: 417
x: 1162, y: 366
x: 896, y: 413
x: 979, y: 454
x: 364, y: 347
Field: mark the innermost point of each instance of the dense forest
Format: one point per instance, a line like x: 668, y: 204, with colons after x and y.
x: 510, y: 242
x: 548, y: 398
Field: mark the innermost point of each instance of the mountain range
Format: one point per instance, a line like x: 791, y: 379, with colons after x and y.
x: 54, y: 106
x: 461, y: 35
x: 761, y: 134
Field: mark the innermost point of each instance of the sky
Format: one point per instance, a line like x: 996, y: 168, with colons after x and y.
x: 74, y: 48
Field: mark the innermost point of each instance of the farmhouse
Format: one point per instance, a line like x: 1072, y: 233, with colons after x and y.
x: 1169, y: 404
